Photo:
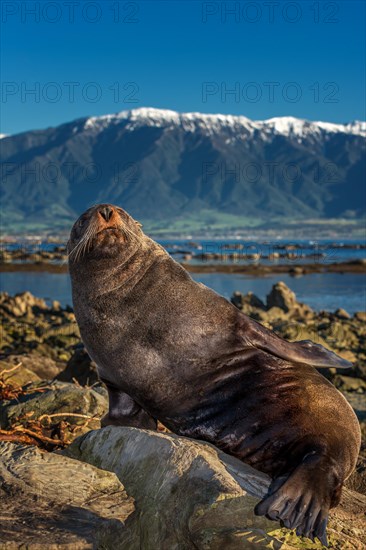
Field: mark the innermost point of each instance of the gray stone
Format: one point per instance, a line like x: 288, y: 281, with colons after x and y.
x: 296, y: 271
x: 357, y: 480
x: 81, y: 368
x: 282, y: 297
x: 361, y: 316
x: 44, y: 367
x: 349, y: 383
x: 275, y: 313
x: 15, y: 374
x: 21, y: 304
x: 51, y: 501
x: 57, y: 398
x: 342, y: 314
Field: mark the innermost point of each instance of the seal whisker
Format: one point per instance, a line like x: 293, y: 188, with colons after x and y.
x: 127, y: 232
x: 84, y: 242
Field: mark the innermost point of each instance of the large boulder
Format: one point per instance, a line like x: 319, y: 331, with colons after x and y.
x: 185, y: 496
x: 188, y: 494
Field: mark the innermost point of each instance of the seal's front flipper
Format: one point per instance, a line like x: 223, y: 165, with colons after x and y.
x: 318, y: 356
x: 301, y: 500
x: 124, y: 411
x: 304, y: 351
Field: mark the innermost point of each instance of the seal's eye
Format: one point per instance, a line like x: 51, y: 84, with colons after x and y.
x: 81, y: 223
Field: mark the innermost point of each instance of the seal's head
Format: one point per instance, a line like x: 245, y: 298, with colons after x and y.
x: 103, y: 231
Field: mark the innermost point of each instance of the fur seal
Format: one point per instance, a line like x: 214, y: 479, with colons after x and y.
x: 171, y: 349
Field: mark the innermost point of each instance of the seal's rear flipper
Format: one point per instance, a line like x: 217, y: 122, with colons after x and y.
x: 304, y: 351
x: 301, y: 500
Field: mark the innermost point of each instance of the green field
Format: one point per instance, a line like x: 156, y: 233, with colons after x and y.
x: 206, y: 222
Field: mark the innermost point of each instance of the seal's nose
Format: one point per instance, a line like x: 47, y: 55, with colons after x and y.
x: 106, y: 212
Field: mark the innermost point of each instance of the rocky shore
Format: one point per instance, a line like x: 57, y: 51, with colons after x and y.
x: 231, y: 258
x: 254, y: 269
x: 64, y: 483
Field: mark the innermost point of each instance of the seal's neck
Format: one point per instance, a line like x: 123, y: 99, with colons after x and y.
x: 95, y: 278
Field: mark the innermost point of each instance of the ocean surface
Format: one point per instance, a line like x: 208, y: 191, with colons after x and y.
x: 327, y: 291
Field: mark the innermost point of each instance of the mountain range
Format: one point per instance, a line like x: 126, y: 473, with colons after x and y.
x: 167, y: 168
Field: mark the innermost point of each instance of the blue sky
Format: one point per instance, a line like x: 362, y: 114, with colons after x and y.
x: 278, y: 58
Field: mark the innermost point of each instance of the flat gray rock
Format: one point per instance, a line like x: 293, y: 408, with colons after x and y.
x: 185, y: 495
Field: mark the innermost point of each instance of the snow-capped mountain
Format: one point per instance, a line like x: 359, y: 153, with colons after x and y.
x: 211, y: 124
x: 160, y: 164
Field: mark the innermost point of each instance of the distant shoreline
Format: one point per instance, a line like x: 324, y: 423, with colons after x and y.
x: 355, y: 266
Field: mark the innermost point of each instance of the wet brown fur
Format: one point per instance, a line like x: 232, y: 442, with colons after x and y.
x: 171, y: 349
